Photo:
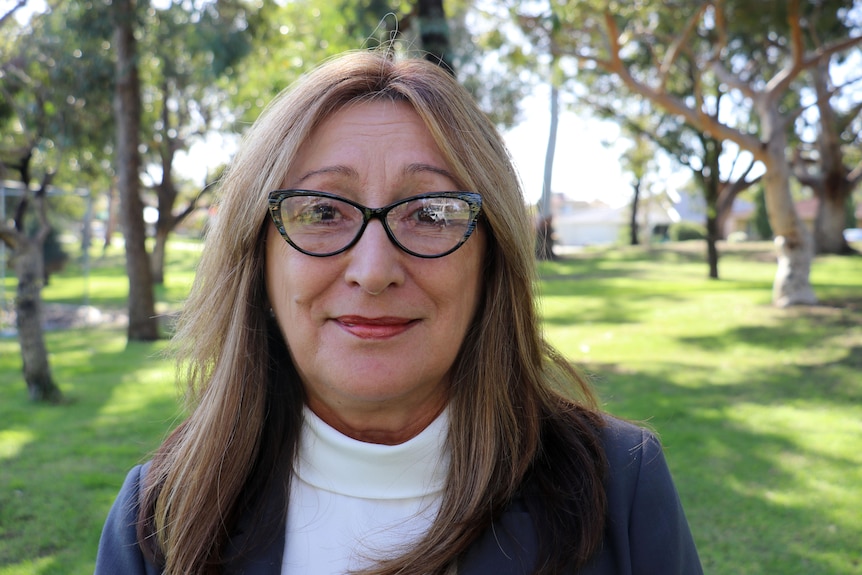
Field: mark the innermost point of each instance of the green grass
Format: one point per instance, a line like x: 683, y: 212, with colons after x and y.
x: 759, y: 409
x: 106, y: 286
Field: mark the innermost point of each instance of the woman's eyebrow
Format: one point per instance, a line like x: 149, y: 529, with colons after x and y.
x: 339, y: 170
x: 417, y: 168
x: 347, y: 171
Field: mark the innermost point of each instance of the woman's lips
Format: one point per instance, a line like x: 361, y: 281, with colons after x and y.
x: 374, y: 328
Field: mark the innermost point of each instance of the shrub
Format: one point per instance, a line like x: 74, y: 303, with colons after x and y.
x: 684, y: 231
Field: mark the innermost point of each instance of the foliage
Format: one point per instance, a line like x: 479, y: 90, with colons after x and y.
x: 59, y: 109
x: 295, y: 36
x: 186, y: 54
x: 686, y: 231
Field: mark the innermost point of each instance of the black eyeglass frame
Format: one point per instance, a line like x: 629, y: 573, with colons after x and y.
x: 473, y: 199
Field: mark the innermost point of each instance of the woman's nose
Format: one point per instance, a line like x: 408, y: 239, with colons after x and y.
x: 375, y: 263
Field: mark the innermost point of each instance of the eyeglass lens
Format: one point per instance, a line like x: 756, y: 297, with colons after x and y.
x: 427, y: 226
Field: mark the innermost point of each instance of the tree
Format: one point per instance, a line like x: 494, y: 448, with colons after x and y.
x: 822, y: 165
x: 28, y: 248
x: 541, y: 33
x: 545, y: 220
x: 623, y: 44
x: 188, y: 53
x: 127, y: 160
x: 638, y: 160
x: 689, y: 147
x: 176, y: 69
x: 434, y: 33
x: 29, y: 263
x: 38, y: 127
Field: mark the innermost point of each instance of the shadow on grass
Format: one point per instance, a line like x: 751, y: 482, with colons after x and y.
x: 768, y: 468
x: 62, y: 465
x: 612, y: 309
x: 788, y: 333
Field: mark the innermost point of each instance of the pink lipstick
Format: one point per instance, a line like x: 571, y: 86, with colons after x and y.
x: 374, y: 328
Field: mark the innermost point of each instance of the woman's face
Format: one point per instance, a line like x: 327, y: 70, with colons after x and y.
x: 373, y: 331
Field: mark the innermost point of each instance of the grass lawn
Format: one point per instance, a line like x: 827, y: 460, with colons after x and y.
x: 760, y: 410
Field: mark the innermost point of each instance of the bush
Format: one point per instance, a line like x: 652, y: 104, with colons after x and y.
x: 685, y: 231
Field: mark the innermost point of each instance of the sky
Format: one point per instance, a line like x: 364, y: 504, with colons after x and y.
x: 585, y: 168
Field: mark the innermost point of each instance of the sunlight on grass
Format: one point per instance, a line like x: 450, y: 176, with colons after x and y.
x: 30, y: 567
x: 137, y: 390
x: 13, y: 441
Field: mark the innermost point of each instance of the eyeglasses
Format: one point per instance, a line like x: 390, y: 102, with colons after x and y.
x: 427, y: 226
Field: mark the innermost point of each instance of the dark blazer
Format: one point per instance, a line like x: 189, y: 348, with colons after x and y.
x: 646, y: 534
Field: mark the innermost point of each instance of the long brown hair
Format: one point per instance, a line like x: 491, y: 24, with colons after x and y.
x: 522, y: 422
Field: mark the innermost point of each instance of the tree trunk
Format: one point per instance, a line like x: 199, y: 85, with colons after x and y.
x: 709, y: 177
x: 712, y: 237
x: 434, y: 34
x: 633, y: 220
x: 29, y: 268
x: 794, y: 246
x: 143, y: 325
x: 833, y: 185
x: 111, y: 223
x: 829, y: 224
x: 158, y: 254
x: 545, y: 235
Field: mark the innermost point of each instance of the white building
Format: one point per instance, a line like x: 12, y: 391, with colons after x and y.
x: 579, y: 223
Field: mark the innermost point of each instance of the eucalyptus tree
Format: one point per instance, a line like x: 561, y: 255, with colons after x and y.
x: 51, y: 125
x: 721, y: 171
x: 668, y: 52
x: 826, y: 163
x: 540, y: 58
x: 34, y: 131
x: 169, y: 63
x: 639, y: 160
x: 124, y: 18
x: 296, y: 36
x: 188, y: 54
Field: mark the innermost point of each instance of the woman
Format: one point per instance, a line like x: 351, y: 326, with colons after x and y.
x: 370, y: 391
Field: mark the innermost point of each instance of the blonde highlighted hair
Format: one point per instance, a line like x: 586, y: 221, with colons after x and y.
x: 522, y: 423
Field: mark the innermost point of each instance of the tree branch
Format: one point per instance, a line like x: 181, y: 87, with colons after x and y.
x: 673, y: 51
x: 855, y: 176
x: 12, y: 10
x: 41, y: 208
x: 695, y: 118
x: 10, y: 237
x: 781, y: 81
x: 806, y: 178
x: 831, y: 49
x: 734, y: 81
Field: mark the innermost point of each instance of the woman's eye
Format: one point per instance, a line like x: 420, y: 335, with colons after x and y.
x: 317, y: 213
x: 325, y: 212
x: 430, y: 216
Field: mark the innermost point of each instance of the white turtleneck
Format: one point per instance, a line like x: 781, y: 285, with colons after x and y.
x: 353, y: 502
